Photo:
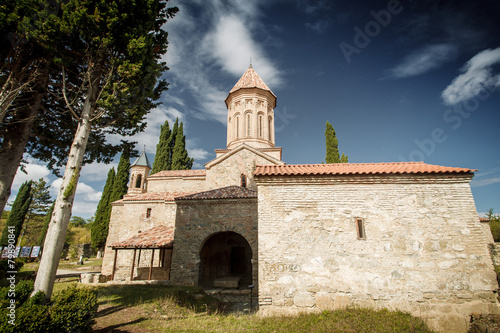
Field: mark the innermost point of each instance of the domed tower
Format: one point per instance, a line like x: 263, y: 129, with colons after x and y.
x: 250, y: 117
x: 139, y: 170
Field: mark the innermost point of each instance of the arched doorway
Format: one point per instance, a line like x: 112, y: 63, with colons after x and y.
x: 225, y: 255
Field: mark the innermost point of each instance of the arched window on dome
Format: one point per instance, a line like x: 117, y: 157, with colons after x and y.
x: 269, y: 126
x: 237, y: 126
x: 249, y: 126
x: 260, y: 125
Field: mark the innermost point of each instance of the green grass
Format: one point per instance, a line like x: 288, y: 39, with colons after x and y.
x: 157, y: 308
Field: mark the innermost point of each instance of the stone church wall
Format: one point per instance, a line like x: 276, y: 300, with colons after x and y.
x: 198, y: 220
x: 126, y: 221
x: 176, y: 184
x: 425, y: 251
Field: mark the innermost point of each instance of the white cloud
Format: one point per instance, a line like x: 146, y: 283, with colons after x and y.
x: 34, y: 172
x: 86, y: 198
x: 423, y: 60
x: 96, y: 171
x: 477, y: 76
x: 484, y: 182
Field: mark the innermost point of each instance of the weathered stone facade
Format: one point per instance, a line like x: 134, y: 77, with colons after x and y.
x: 424, y: 249
x: 401, y: 236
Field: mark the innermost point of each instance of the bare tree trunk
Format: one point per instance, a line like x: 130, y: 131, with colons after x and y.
x: 56, y: 234
x: 16, y: 135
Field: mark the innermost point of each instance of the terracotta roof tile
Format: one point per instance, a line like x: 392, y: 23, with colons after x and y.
x: 154, y: 196
x: 180, y: 173
x: 156, y: 237
x: 484, y: 219
x: 229, y: 192
x: 250, y: 79
x: 355, y: 169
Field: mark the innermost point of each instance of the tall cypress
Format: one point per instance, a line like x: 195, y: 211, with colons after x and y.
x: 120, y: 183
x: 17, y: 214
x: 332, y: 145
x: 100, y: 226
x: 163, y: 152
x: 180, y: 158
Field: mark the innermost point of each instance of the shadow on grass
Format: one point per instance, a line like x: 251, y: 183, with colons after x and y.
x: 115, y: 328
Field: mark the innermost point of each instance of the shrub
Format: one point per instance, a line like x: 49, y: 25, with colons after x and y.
x: 73, y: 310
x: 495, y: 229
x: 4, y: 267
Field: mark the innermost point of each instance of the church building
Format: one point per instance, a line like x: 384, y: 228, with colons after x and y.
x: 309, y: 237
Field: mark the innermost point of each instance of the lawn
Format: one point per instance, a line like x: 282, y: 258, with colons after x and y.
x: 156, y: 308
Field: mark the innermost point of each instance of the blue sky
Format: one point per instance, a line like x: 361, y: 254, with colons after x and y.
x: 398, y: 80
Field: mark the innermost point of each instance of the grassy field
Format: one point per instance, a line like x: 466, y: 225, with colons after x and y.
x: 154, y: 308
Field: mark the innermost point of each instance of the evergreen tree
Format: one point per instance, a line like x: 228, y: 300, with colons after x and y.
x: 18, y: 213
x: 46, y: 221
x: 344, y: 158
x: 163, y: 153
x: 332, y: 146
x: 180, y: 158
x: 332, y: 149
x: 99, y: 228
x: 41, y: 200
x: 120, y: 182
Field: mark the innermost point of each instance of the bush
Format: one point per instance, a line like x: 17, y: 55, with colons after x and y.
x: 73, y: 310
x: 4, y: 267
x: 495, y: 229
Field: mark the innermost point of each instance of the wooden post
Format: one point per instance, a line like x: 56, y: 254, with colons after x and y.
x: 151, y: 265
x: 114, y: 265
x: 139, y: 258
x: 132, y: 270
x: 162, y: 255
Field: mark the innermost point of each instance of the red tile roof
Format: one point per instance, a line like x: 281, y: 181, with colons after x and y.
x: 156, y: 237
x: 356, y: 169
x: 229, y: 192
x: 180, y: 173
x: 484, y: 219
x: 154, y: 196
x: 250, y: 79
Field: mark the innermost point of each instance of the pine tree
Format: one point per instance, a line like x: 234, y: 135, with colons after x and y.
x: 46, y: 221
x: 99, y: 228
x: 180, y: 158
x: 120, y: 182
x: 163, y: 151
x: 17, y: 214
x: 332, y: 149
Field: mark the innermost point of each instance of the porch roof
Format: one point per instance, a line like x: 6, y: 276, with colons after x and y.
x: 154, y: 238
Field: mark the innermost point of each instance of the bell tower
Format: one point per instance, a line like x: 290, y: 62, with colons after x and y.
x: 250, y: 116
x: 139, y: 170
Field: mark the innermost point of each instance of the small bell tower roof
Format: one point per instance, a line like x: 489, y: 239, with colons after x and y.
x: 250, y: 79
x: 142, y: 160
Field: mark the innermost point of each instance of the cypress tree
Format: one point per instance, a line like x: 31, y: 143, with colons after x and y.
x: 100, y: 226
x: 332, y: 149
x: 163, y: 151
x: 180, y: 158
x: 120, y: 183
x: 18, y: 213
x: 46, y: 221
x: 344, y: 158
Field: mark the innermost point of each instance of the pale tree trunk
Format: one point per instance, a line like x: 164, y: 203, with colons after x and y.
x: 56, y: 233
x: 15, y: 138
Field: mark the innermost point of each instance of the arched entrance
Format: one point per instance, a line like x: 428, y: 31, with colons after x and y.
x: 225, y: 256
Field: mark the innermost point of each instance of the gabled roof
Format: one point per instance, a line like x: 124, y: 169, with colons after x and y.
x: 233, y: 151
x: 250, y: 79
x: 142, y: 160
x: 228, y: 192
x: 154, y: 238
x: 180, y: 173
x: 356, y: 169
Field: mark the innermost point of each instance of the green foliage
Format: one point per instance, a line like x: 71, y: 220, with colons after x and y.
x: 74, y: 309
x: 332, y: 150
x: 180, y: 158
x: 41, y: 199
x: 4, y: 267
x: 332, y: 146
x: 73, y: 182
x: 494, y: 224
x: 100, y: 226
x: 122, y: 176
x: 163, y: 156
x: 17, y: 213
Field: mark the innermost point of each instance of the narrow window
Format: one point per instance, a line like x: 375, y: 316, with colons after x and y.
x: 237, y: 123
x: 260, y: 126
x: 269, y: 126
x: 148, y: 213
x: 138, y: 181
x: 360, y: 226
x: 243, y: 181
x: 248, y: 126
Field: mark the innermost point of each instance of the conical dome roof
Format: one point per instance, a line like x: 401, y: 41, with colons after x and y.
x: 250, y: 79
x: 142, y: 160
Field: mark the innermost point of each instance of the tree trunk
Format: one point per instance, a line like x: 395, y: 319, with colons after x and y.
x: 56, y: 234
x: 16, y: 136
